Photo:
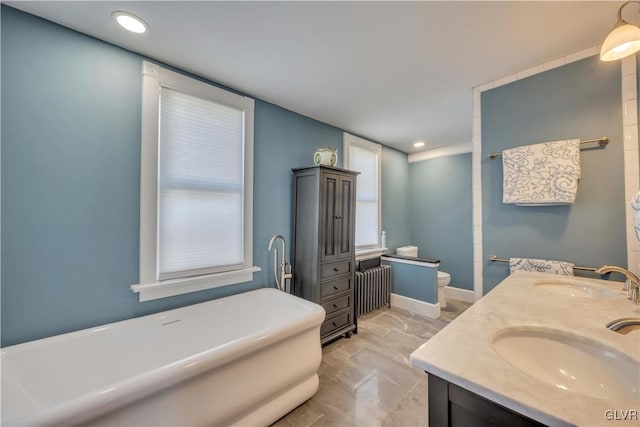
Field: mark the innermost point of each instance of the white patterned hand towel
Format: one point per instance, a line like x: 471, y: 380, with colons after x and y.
x: 541, y: 265
x: 541, y: 174
x: 635, y: 208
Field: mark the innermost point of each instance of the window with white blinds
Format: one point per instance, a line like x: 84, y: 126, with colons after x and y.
x: 196, y: 186
x: 200, y: 185
x: 364, y: 156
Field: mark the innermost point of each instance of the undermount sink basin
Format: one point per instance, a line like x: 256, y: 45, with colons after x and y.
x: 576, y: 364
x: 577, y: 288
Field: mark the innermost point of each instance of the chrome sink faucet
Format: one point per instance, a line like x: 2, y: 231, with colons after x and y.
x: 624, y: 325
x: 631, y: 283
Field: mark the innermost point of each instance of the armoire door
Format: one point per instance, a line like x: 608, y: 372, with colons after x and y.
x: 329, y: 216
x: 346, y: 213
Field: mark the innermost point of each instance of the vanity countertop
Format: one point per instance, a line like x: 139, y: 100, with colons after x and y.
x: 463, y: 354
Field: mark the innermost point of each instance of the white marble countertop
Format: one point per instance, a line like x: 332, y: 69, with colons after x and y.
x: 462, y: 353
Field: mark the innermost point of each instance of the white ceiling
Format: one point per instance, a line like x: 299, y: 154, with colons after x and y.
x: 394, y: 72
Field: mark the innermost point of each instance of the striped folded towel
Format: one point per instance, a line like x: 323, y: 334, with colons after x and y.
x: 541, y: 265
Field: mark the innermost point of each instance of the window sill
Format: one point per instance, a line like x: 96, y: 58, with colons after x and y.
x: 168, y: 288
x: 369, y: 253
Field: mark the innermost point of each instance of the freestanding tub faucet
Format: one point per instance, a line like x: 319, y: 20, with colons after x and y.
x: 283, y: 280
x: 631, y: 284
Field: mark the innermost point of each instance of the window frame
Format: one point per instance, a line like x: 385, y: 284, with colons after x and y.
x: 352, y: 140
x: 151, y: 285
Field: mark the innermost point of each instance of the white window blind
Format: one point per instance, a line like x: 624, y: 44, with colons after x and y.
x: 200, y: 186
x: 365, y: 162
x: 364, y: 156
x: 196, y: 186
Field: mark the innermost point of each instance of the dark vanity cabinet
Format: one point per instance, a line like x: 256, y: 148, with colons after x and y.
x: 323, y: 244
x: 454, y: 406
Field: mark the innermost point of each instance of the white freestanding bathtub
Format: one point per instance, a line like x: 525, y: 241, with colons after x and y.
x: 247, y: 359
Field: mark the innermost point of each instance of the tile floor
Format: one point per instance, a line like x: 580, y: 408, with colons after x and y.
x: 367, y: 380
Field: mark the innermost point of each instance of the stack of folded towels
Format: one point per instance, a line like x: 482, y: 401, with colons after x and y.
x: 541, y: 174
x: 541, y: 265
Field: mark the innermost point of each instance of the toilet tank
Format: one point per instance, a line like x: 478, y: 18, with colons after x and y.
x: 407, y: 251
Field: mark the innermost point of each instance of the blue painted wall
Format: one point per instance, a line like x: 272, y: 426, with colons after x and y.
x: 283, y: 140
x: 395, y: 198
x: 414, y: 281
x: 579, y: 100
x: 70, y: 181
x: 441, y: 215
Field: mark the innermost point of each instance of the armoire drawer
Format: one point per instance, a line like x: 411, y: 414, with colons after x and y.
x: 336, y: 304
x: 334, y: 287
x: 335, y: 322
x: 336, y: 269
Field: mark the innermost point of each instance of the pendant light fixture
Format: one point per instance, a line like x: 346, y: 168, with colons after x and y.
x: 623, y: 40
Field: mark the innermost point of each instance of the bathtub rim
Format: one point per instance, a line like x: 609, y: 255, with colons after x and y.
x: 118, y: 394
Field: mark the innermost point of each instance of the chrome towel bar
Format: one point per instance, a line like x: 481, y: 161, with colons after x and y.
x: 602, y: 142
x: 575, y: 267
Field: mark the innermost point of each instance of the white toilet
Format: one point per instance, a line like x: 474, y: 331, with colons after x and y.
x: 443, y: 278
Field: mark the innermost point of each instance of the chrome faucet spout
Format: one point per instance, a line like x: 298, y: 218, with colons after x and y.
x: 631, y: 284
x: 615, y: 269
x: 624, y: 325
x: 273, y: 240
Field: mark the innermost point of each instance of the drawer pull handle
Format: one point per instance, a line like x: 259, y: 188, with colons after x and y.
x: 335, y: 305
x: 336, y: 269
x: 335, y: 324
x: 335, y: 287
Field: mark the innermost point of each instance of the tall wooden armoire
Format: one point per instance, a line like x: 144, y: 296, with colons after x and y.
x: 324, y: 244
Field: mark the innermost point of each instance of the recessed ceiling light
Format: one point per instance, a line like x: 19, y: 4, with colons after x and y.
x: 130, y: 22
x: 418, y: 144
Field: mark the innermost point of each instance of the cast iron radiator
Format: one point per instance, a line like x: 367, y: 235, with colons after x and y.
x: 373, y: 289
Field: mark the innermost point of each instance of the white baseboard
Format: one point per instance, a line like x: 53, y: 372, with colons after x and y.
x: 416, y: 306
x: 459, y: 294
